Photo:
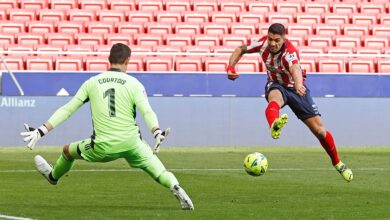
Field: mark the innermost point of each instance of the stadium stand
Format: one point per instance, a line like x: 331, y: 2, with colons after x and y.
x: 195, y: 27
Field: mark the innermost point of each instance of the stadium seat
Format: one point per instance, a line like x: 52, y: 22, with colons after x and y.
x: 29, y: 38
x: 61, y: 4
x: 177, y: 5
x: 216, y: 64
x: 60, y: 38
x: 18, y: 47
x: 196, y: 49
x: 136, y: 63
x: 141, y: 16
x: 122, y: 5
x: 40, y: 26
x: 339, y: 50
x: 13, y: 63
x: 78, y: 48
x: 373, y: 41
x: 299, y: 29
x: 355, y: 65
x: 297, y: 40
x: 232, y: 6
x: 136, y: 48
x: 333, y: 65
x: 319, y: 41
x: 98, y: 63
x: 248, y: 64
x: 228, y: 50
x: 148, y: 39
x: 215, y: 28
x: 150, y: 5
x: 327, y: 29
x: 5, y: 4
x: 168, y: 16
x: 69, y: 63
x: 158, y: 64
x: 346, y: 41
x: 223, y: 17
x: 187, y: 28
x: 189, y: 64
x: 130, y: 28
x: 195, y: 17
x: 380, y: 30
x: 205, y: 5
x: 111, y: 16
x: 384, y: 19
x: 178, y: 40
x: 334, y: 19
x: 234, y: 40
x: 207, y: 40
x: 119, y: 38
x: 99, y: 27
x: 316, y: 7
x: 49, y: 48
x: 243, y: 28
x: 344, y: 8
x: 308, y: 64
x: 260, y: 7
x: 250, y: 17
x: 308, y: 19
x: 167, y: 49
x: 95, y: 5
x: 363, y: 19
x: 70, y: 27
x: 21, y: 14
x: 310, y: 51
x: 280, y: 18
x: 81, y: 15
x: 90, y: 39
x: 365, y: 50
x: 51, y: 14
x: 8, y: 27
x: 104, y: 48
x: 39, y: 63
x: 383, y: 65
x: 33, y: 4
x: 158, y: 28
x: 372, y: 8
x: 356, y: 30
x: 288, y: 7
x: 3, y: 15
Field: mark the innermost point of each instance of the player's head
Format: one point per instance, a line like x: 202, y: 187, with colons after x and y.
x: 119, y: 54
x: 276, y: 37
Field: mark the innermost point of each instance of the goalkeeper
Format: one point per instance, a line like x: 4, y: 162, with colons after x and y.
x: 113, y: 97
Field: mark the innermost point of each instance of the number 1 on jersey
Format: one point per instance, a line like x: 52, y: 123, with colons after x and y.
x: 111, y: 101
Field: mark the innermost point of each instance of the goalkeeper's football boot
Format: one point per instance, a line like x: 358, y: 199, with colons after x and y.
x: 183, y: 198
x: 44, y: 168
x: 344, y: 171
x: 277, y: 126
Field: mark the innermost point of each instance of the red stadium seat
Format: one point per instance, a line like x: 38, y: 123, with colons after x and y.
x: 12, y: 27
x: 33, y: 4
x: 139, y: 48
x: 187, y: 28
x: 365, y: 50
x: 69, y: 63
x: 195, y: 17
x: 234, y: 40
x: 307, y: 18
x: 339, y: 50
x: 98, y: 27
x: 93, y: 4
x: 196, y: 49
x: 29, y: 38
x: 372, y: 8
x: 346, y: 41
x: 228, y: 50
x: 122, y: 5
x: 356, y: 30
x: 168, y: 16
x: 148, y: 39
x: 141, y: 16
x: 158, y: 28
x: 8, y: 4
x: 384, y: 19
x: 167, y: 49
x: 263, y: 29
x: 70, y: 27
x: 280, y: 18
x: 178, y: 40
x: 205, y: 5
x: 51, y: 14
x: 60, y: 38
x: 78, y: 48
x: 18, y: 47
x: 13, y: 63
x: 296, y: 40
x: 334, y: 65
x: 378, y: 42
x: 250, y: 17
x: 362, y: 19
x: 158, y: 64
x: 383, y: 65
x: 93, y: 63
x: 215, y: 28
x: 308, y: 64
x: 381, y: 30
x: 248, y: 64
x: 319, y: 41
x: 61, y: 4
x: 240, y: 28
x: 207, y: 40
x: 90, y: 39
x: 360, y: 65
x: 333, y: 19
x: 3, y: 15
x: 103, y: 48
x: 189, y: 64
x: 261, y: 7
x: 327, y: 29
x: 111, y: 16
x: 40, y: 26
x: 216, y: 64
x: 316, y: 7
x: 150, y: 5
x: 310, y: 51
x: 136, y: 63
x: 119, y: 38
x: 130, y: 28
x: 288, y: 7
x: 223, y: 17
x: 232, y: 6
x: 49, y: 48
x: 21, y: 14
x: 178, y: 5
x: 82, y: 15
x: 299, y: 29
x: 344, y: 8
x: 39, y: 63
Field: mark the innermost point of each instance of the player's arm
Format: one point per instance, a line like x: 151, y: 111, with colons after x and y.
x: 296, y: 73
x: 233, y: 60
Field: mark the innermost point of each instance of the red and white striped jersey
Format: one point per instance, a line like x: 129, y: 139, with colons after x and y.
x: 278, y: 65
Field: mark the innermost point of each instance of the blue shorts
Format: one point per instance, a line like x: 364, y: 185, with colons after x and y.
x: 303, y: 106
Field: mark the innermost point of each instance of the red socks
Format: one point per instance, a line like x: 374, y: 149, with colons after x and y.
x: 272, y: 112
x: 330, y: 148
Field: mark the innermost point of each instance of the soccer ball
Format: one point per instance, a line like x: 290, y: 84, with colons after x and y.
x: 255, y: 164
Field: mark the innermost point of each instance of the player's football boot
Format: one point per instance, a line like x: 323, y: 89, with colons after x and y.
x: 183, y: 198
x: 44, y: 168
x: 344, y: 171
x: 277, y: 126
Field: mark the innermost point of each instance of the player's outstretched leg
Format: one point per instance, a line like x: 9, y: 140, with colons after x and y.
x: 344, y: 171
x: 277, y: 125
x: 182, y: 197
x: 44, y: 168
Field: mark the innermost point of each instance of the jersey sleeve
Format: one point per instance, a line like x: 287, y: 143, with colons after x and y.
x: 292, y: 58
x: 69, y: 108
x: 255, y: 46
x: 142, y: 103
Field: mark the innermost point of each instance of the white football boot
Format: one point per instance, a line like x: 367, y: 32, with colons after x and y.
x: 183, y: 198
x: 44, y: 168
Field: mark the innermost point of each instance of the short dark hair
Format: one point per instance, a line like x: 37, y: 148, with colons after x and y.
x: 119, y: 53
x: 277, y: 28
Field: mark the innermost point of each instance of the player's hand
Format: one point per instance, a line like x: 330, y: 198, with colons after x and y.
x: 160, y: 136
x: 232, y: 75
x: 32, y: 135
x: 300, y: 89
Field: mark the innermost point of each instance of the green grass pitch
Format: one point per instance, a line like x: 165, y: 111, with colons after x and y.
x: 299, y: 184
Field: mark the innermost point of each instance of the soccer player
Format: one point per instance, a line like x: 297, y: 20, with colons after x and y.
x: 114, y: 97
x: 286, y: 86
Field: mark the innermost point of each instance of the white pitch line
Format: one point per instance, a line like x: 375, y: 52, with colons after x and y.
x: 14, y: 217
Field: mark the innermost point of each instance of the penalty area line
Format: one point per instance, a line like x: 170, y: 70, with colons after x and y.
x: 14, y: 217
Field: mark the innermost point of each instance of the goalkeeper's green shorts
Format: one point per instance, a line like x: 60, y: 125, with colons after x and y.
x: 140, y: 157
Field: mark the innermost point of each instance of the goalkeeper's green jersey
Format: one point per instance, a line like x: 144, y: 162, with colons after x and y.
x: 113, y: 97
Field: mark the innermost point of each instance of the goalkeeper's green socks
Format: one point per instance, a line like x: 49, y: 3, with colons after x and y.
x: 62, y: 166
x: 167, y: 179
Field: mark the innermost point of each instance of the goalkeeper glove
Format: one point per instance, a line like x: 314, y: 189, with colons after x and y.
x: 32, y: 135
x: 232, y: 75
x: 159, y: 136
